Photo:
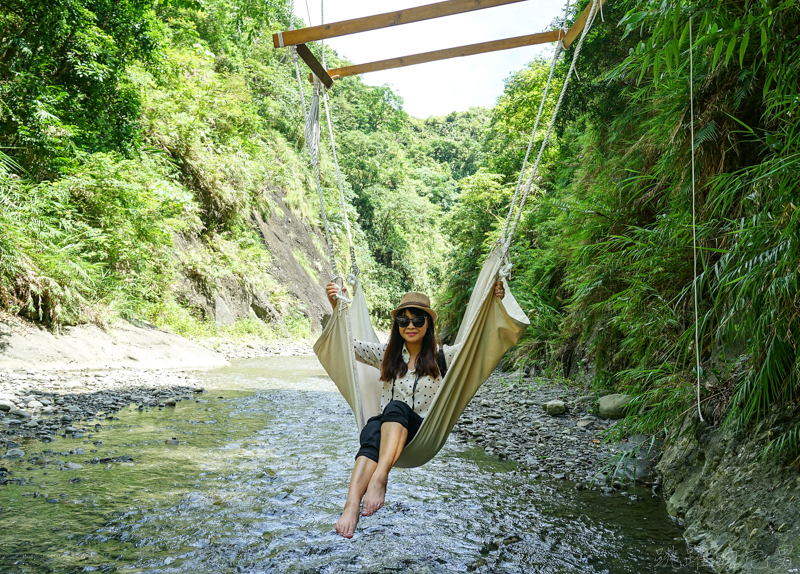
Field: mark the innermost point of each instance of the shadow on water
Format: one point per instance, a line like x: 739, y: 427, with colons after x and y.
x: 258, y: 478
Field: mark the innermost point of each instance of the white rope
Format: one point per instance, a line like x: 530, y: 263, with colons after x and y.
x: 694, y: 220
x: 354, y: 271
x: 566, y: 15
x: 312, y: 127
x: 314, y: 163
x: 353, y: 266
x: 556, y: 54
x: 534, y: 172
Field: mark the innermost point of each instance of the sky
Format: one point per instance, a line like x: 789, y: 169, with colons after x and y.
x: 438, y: 88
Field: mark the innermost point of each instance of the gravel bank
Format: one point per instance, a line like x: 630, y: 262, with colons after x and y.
x: 508, y: 420
x: 231, y: 350
x: 44, y: 404
x: 47, y: 403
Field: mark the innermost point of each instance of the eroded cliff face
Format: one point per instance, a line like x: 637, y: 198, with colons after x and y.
x: 292, y: 286
x: 740, y: 509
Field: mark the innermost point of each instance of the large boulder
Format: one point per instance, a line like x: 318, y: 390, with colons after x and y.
x: 614, y: 406
x: 554, y: 408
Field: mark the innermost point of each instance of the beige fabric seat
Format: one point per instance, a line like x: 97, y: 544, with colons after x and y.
x: 490, y: 327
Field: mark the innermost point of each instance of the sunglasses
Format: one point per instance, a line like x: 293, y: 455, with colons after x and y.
x: 403, y: 322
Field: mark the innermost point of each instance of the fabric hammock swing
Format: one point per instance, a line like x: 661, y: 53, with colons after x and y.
x: 490, y: 326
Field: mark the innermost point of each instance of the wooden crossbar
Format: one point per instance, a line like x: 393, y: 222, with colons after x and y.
x: 327, y: 76
x: 470, y: 50
x: 312, y: 62
x: 418, y: 14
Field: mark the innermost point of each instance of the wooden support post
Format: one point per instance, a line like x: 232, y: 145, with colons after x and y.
x: 469, y: 50
x: 313, y: 63
x: 576, y: 29
x: 335, y: 29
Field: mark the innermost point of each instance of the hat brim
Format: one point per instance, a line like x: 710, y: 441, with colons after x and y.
x: 428, y: 310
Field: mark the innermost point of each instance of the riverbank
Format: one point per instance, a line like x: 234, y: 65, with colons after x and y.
x: 508, y: 420
x: 58, y: 383
x: 25, y: 346
x: 739, y: 508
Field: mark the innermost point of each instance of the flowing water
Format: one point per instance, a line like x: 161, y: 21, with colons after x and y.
x: 259, y: 476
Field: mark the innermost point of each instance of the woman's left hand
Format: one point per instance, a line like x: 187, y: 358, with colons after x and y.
x: 499, y: 290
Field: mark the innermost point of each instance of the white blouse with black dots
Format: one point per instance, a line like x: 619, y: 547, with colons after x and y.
x: 372, y: 354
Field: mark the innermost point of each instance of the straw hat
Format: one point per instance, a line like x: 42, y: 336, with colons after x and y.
x: 416, y: 300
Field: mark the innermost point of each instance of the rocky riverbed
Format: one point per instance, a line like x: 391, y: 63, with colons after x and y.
x: 45, y: 404
x: 550, y: 430
x: 253, y: 349
x: 554, y: 431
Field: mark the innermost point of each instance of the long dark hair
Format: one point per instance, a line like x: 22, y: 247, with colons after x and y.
x: 394, y: 367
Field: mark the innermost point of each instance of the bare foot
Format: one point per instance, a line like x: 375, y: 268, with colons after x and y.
x: 376, y: 494
x: 346, y: 525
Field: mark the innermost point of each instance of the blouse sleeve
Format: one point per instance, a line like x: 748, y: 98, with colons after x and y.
x: 450, y: 352
x: 369, y: 353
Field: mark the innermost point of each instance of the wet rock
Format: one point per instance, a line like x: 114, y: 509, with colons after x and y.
x: 20, y: 414
x: 554, y: 408
x: 7, y: 405
x: 613, y: 406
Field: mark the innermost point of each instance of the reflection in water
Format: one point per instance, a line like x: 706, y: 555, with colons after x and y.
x: 258, y: 480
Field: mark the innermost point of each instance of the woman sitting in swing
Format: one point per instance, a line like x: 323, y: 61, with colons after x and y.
x: 412, y: 368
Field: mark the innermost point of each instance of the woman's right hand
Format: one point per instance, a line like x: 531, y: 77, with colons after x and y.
x: 332, y: 289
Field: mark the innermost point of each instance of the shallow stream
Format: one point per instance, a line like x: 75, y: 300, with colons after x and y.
x: 259, y: 475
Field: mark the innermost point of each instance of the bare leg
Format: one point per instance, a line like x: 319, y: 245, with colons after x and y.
x: 362, y: 473
x: 393, y: 439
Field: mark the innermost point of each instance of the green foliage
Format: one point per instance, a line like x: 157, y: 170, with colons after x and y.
x: 62, y: 78
x: 401, y: 176
x: 514, y: 116
x: 473, y: 225
x: 151, y: 136
x: 455, y: 140
x: 94, y: 241
x: 604, y: 258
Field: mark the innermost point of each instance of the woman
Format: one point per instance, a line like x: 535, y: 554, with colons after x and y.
x: 411, y: 374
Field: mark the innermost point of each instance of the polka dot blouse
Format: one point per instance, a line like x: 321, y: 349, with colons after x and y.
x: 427, y: 387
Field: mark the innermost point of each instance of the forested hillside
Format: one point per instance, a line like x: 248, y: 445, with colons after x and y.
x: 604, y: 256
x: 149, y: 152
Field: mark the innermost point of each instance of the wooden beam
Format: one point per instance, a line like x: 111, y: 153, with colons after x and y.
x: 335, y: 29
x: 576, y: 29
x: 313, y: 63
x: 470, y: 50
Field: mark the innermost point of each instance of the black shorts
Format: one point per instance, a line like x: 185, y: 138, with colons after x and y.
x: 395, y: 412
